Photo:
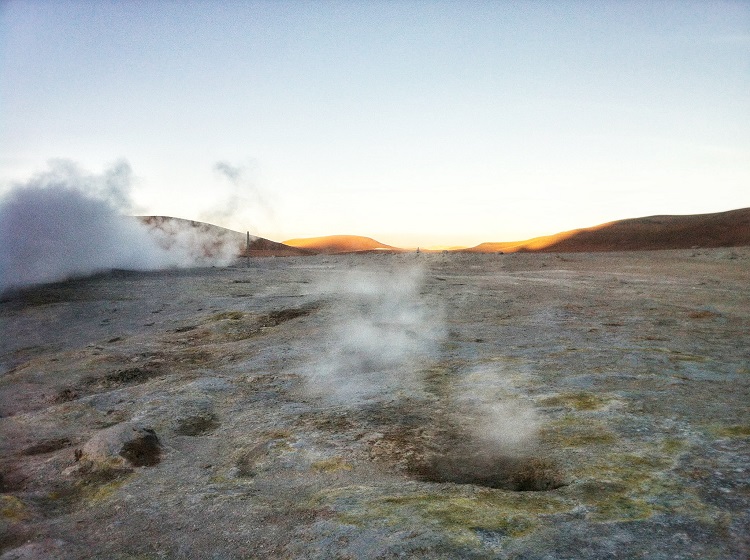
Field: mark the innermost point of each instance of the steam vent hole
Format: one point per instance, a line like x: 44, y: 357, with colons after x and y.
x: 144, y: 451
x: 521, y: 474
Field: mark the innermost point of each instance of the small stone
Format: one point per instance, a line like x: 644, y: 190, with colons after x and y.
x: 129, y: 444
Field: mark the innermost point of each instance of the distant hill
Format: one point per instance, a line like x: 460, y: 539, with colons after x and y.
x: 259, y: 247
x: 340, y: 244
x: 721, y: 229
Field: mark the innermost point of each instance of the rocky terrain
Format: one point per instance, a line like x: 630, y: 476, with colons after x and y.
x: 520, y: 406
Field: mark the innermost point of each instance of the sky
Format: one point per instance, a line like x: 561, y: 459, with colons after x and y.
x: 416, y: 123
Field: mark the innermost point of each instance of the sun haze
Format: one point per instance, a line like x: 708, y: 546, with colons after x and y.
x: 413, y: 123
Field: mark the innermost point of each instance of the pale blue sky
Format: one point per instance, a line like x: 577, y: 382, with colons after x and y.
x: 416, y: 123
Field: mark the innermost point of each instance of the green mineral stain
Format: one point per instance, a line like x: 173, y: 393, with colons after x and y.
x: 672, y: 446
x: 575, y: 431
x: 732, y: 431
x: 12, y: 509
x: 621, y: 507
x: 331, y: 465
x: 102, y: 493
x: 611, y: 500
x: 227, y: 316
x: 514, y: 514
x: 631, y: 486
x: 576, y: 401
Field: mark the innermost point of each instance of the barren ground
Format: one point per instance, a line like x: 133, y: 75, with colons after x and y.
x: 637, y: 366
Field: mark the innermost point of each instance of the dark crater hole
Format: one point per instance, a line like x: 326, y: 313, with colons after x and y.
x: 197, y: 424
x: 447, y: 451
x: 144, y: 451
x: 521, y: 474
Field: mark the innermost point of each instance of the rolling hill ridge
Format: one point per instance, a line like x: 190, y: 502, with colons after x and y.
x: 720, y: 229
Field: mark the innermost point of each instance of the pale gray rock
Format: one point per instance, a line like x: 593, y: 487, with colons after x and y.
x: 127, y: 444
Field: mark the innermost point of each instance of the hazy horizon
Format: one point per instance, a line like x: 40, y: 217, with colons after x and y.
x: 414, y: 123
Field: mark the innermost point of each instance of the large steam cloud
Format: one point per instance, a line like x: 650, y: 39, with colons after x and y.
x: 65, y: 222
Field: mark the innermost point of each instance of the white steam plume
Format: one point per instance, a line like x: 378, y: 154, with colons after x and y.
x: 194, y: 243
x: 239, y: 200
x: 382, y: 334
x: 508, y: 427
x: 495, y: 415
x: 65, y: 222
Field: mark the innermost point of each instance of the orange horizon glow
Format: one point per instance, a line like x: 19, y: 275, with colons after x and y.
x: 345, y: 243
